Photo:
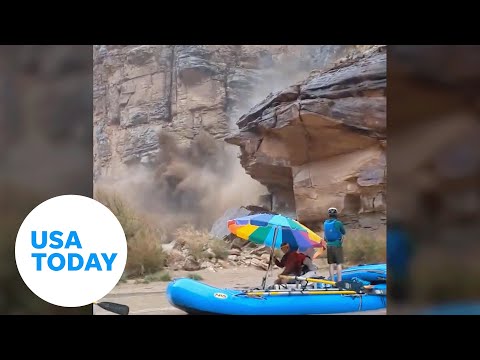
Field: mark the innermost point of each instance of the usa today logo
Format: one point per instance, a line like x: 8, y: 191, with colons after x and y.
x: 71, y: 251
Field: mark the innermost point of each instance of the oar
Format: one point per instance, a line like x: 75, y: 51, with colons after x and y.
x: 345, y: 285
x: 299, y: 292
x: 119, y: 309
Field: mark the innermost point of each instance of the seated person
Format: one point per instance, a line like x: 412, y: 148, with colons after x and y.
x: 292, y: 262
x: 309, y: 269
x: 308, y: 265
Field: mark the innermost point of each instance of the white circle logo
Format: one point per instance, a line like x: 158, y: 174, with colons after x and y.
x: 71, y: 250
x: 220, y: 295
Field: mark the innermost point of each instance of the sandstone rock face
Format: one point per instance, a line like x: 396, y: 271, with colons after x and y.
x: 314, y: 143
x: 321, y: 142
x: 140, y: 90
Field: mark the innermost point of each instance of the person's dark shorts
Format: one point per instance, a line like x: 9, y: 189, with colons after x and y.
x: 334, y: 255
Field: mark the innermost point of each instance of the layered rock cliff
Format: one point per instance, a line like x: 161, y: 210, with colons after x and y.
x: 321, y: 142
x: 181, y: 89
x: 314, y: 144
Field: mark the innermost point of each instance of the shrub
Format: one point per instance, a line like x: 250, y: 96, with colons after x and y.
x: 219, y: 248
x: 195, y: 276
x: 363, y: 246
x: 145, y: 254
x: 158, y: 276
x: 197, y: 241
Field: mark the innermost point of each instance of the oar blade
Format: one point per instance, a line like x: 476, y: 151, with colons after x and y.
x: 119, y: 309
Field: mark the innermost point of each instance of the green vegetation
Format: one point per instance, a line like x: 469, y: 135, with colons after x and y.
x: 364, y: 247
x: 145, y: 254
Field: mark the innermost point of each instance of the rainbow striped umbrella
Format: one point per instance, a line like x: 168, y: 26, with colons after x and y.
x: 272, y: 230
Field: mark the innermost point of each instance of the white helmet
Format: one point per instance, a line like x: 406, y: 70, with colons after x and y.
x: 332, y: 211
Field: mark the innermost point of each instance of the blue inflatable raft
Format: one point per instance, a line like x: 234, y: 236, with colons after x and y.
x: 195, y: 297
x: 373, y: 273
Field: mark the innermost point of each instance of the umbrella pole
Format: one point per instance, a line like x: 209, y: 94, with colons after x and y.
x: 264, y: 281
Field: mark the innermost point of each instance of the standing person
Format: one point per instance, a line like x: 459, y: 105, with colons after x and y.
x: 333, y: 233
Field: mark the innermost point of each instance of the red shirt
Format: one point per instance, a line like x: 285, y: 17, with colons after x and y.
x: 292, y: 262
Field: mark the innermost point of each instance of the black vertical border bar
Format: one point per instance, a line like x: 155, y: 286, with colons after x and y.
x: 46, y: 149
x: 433, y: 175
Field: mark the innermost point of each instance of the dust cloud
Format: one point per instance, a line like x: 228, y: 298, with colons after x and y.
x: 270, y: 79
x: 292, y: 68
x: 190, y: 184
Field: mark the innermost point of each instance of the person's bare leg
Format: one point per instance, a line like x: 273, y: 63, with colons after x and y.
x: 339, y: 272
x: 331, y: 270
